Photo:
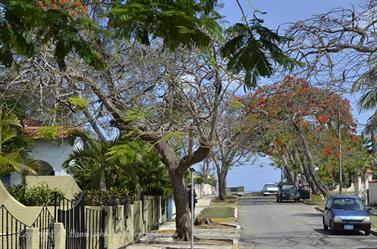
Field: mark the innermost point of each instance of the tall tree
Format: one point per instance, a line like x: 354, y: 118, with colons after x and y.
x: 168, y: 98
x: 303, y: 111
x: 339, y: 49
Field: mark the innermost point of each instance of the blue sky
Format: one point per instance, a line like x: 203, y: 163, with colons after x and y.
x: 278, y: 12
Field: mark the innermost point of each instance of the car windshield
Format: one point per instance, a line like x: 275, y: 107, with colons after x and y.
x: 348, y: 204
x: 270, y: 186
x: 285, y: 187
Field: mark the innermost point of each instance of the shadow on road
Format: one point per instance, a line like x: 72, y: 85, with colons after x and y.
x: 342, y: 233
x: 309, y: 215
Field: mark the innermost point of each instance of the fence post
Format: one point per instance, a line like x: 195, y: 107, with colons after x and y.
x: 59, y: 236
x: 131, y: 223
x: 108, y: 220
x: 32, y: 238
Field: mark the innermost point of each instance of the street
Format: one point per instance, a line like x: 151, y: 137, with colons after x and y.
x: 268, y: 224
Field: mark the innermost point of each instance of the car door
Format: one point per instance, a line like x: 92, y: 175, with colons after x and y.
x: 327, y: 212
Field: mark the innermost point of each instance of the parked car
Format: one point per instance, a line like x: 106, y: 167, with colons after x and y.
x: 287, y: 192
x: 270, y: 189
x: 304, y: 191
x: 344, y: 213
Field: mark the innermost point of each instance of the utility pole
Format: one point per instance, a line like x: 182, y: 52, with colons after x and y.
x: 192, y: 205
x: 340, y: 151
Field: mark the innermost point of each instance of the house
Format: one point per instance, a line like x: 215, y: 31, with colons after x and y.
x: 50, y: 153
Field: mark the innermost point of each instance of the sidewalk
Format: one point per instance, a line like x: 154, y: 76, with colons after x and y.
x: 207, y: 238
x: 200, y: 205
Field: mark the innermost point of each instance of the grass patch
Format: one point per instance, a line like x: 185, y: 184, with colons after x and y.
x: 217, y: 212
x: 226, y: 203
x: 315, y: 200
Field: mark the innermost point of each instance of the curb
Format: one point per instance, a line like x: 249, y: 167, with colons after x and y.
x: 319, y: 209
x: 235, y: 244
x: 231, y: 225
x: 235, y: 212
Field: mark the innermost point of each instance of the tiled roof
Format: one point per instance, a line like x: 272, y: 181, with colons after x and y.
x: 31, y: 128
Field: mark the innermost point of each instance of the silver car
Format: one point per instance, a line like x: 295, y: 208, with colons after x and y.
x: 270, y: 189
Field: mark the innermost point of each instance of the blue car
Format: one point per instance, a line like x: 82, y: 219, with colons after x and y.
x: 346, y: 213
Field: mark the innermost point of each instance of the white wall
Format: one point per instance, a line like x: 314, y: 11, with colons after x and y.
x: 53, y: 152
x: 372, y: 193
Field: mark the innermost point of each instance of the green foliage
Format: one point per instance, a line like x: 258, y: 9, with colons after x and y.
x: 48, y: 132
x: 40, y: 195
x: 78, y: 101
x: 12, y: 157
x: 26, y: 24
x: 178, y: 136
x: 236, y: 104
x: 113, y: 196
x: 186, y: 22
x: 131, y: 166
x: 254, y: 49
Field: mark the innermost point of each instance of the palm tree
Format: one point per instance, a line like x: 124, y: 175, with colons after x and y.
x: 12, y: 160
x: 367, y: 83
x: 88, y: 165
x: 121, y: 163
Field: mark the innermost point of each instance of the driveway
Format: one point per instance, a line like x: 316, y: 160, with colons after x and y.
x: 268, y: 224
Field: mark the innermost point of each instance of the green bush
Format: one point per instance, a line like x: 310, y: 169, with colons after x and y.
x: 113, y: 196
x: 40, y: 195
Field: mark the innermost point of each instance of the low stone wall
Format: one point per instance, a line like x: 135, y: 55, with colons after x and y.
x: 23, y: 213
x: 124, y: 224
x: 66, y: 184
x: 372, y: 195
x: 204, y: 190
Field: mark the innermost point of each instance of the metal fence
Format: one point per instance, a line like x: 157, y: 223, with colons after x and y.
x: 13, y: 231
x: 84, y: 226
x: 45, y: 224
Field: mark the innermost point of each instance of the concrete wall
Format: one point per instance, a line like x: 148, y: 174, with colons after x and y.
x: 362, y: 186
x: 65, y: 184
x: 54, y: 153
x: 204, y: 190
x: 373, y: 192
x: 23, y: 213
x: 124, y: 224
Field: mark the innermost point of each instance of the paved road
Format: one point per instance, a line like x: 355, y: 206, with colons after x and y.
x: 267, y: 224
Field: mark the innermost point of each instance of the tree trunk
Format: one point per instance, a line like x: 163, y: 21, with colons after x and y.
x: 287, y: 172
x: 102, y: 183
x: 304, y: 169
x: 222, y: 183
x: 311, y: 165
x: 183, y: 217
x: 374, y: 142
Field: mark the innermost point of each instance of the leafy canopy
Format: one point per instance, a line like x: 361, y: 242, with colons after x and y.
x: 25, y: 25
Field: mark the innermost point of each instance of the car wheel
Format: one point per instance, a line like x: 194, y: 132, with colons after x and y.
x: 324, y: 225
x: 332, y: 229
x: 367, y: 232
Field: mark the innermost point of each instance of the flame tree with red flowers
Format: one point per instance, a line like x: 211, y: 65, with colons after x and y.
x: 304, y: 122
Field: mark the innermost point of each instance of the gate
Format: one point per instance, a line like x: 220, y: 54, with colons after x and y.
x: 84, y: 226
x: 13, y: 231
x: 45, y: 224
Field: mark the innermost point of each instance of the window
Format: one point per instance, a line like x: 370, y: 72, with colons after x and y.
x: 348, y: 204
